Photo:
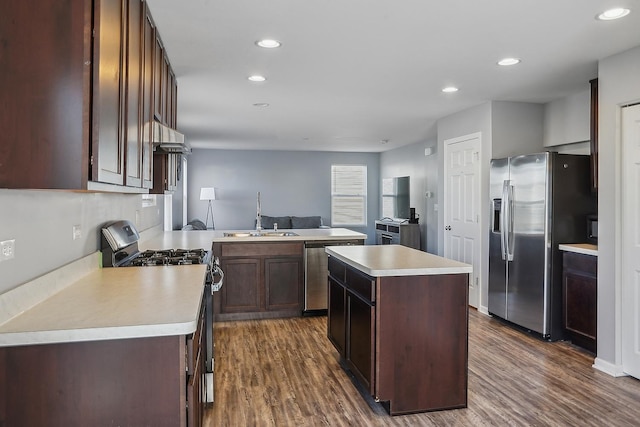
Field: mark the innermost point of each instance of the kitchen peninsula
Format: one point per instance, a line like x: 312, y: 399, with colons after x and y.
x: 265, y: 272
x: 399, y: 320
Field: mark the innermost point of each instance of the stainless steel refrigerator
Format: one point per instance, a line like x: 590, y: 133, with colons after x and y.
x: 538, y: 202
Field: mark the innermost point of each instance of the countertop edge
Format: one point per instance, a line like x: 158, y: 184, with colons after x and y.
x: 16, y: 339
x: 579, y: 248
x: 391, y: 272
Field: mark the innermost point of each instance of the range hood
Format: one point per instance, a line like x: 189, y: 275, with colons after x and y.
x: 168, y: 140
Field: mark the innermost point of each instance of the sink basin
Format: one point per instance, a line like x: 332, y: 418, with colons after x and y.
x: 260, y: 234
x: 277, y: 233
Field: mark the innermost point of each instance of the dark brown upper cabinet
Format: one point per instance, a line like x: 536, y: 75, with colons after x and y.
x: 79, y: 78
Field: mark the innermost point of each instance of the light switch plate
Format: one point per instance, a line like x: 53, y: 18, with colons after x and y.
x: 7, y: 249
x: 77, y: 232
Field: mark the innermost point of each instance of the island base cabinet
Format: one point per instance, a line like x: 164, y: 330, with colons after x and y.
x: 129, y: 382
x: 422, y: 324
x: 404, y: 338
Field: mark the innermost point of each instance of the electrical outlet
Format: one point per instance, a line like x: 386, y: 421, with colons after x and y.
x: 7, y: 249
x: 77, y: 232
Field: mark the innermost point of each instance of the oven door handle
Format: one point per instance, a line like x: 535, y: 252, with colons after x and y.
x: 216, y: 286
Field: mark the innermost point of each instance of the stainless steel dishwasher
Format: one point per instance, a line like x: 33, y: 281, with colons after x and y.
x: 315, y: 277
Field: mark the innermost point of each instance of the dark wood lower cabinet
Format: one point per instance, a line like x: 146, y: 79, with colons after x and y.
x: 337, y: 316
x: 580, y: 286
x: 124, y: 382
x: 360, y: 328
x: 262, y: 280
x: 405, y: 338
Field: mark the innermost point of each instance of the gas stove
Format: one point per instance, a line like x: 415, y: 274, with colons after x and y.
x: 120, y: 249
x: 169, y: 257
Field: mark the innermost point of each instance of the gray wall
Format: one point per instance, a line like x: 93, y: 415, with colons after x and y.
x: 41, y: 222
x: 411, y: 161
x: 294, y: 183
x: 618, y: 85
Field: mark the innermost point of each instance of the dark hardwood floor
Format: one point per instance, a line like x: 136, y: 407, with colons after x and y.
x: 284, y: 372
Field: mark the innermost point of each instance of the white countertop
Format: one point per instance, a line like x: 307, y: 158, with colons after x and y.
x: 580, y: 248
x: 203, y: 239
x: 396, y: 260
x: 303, y: 235
x: 113, y: 303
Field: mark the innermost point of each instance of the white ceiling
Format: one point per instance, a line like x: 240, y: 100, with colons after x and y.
x: 352, y: 73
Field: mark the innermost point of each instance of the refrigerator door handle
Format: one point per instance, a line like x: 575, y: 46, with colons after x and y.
x: 509, y: 222
x: 503, y: 220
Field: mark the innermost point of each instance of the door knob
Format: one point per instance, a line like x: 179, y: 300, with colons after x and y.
x: 448, y: 228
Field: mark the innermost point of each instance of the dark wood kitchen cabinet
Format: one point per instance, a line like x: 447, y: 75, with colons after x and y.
x: 165, y: 91
x: 196, y: 366
x: 154, y: 381
x: 262, y: 280
x: 404, y: 338
x: 580, y: 285
x: 165, y: 172
x: 77, y: 76
x: 139, y: 68
x: 593, y: 134
x: 351, y: 319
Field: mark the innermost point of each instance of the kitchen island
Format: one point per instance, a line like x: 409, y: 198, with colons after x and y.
x: 115, y: 346
x: 265, y: 272
x: 398, y: 317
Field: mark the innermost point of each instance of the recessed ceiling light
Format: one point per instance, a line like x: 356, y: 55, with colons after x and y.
x: 509, y: 61
x: 384, y: 141
x: 257, y: 78
x: 611, y: 14
x: 450, y: 89
x: 268, y: 43
x: 261, y: 104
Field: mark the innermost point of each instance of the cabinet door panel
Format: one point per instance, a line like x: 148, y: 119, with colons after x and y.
x: 133, y: 124
x: 108, y: 94
x: 241, y: 292
x: 360, y: 341
x: 282, y: 283
x: 581, y: 304
x: 147, y: 100
x: 158, y: 79
x: 336, y: 316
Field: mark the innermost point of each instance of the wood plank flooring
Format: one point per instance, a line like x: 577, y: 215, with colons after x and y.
x: 284, y: 372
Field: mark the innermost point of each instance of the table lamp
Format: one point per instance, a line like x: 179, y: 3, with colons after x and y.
x: 208, y: 193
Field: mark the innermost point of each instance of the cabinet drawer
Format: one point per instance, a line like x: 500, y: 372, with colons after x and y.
x: 361, y: 284
x: 337, y: 269
x: 586, y: 264
x: 261, y: 249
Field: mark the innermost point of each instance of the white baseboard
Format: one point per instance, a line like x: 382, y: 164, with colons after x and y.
x: 608, y: 368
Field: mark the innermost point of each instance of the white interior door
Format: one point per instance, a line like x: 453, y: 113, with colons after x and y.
x: 462, y: 206
x: 631, y: 243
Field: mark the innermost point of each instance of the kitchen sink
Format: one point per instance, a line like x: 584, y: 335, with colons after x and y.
x: 260, y: 234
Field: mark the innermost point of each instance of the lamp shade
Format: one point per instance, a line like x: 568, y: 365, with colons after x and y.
x: 207, y: 193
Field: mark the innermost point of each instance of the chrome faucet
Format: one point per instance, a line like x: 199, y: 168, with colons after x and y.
x: 258, y: 216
